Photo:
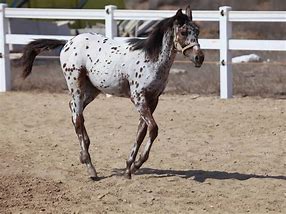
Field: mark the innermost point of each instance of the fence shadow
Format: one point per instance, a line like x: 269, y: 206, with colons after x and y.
x: 198, y: 175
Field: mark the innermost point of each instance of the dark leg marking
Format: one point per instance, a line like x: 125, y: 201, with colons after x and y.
x: 141, y: 133
x: 82, y: 94
x: 146, y: 121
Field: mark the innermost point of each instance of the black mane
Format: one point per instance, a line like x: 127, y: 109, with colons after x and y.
x: 153, y: 44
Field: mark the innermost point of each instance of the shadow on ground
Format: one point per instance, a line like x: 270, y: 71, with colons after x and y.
x: 198, y: 175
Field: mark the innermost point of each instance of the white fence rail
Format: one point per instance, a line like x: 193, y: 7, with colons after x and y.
x: 224, y: 16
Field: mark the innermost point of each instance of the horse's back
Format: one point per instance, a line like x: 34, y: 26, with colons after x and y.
x: 81, y: 46
x: 102, y: 59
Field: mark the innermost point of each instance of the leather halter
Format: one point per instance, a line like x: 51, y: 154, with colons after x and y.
x: 179, y: 47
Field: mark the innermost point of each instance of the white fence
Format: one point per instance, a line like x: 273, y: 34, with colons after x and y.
x: 225, y: 16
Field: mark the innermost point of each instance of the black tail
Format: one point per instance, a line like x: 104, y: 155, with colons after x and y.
x: 34, y: 48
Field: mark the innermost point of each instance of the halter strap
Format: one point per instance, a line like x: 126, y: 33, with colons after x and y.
x: 183, y: 49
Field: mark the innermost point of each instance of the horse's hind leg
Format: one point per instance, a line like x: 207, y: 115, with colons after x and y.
x: 83, y: 92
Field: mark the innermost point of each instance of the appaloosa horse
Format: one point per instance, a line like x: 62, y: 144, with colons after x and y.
x: 138, y: 70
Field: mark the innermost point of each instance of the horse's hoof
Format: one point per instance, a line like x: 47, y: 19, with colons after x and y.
x: 127, y: 175
x: 92, y: 172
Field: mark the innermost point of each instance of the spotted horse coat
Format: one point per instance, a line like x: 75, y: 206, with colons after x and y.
x: 138, y: 70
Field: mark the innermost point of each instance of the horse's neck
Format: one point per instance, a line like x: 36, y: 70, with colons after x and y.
x: 167, y: 53
x: 166, y: 57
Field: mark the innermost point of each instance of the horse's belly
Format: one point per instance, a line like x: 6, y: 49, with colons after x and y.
x: 111, y: 85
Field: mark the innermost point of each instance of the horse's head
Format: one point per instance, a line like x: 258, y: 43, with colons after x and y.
x: 186, y: 34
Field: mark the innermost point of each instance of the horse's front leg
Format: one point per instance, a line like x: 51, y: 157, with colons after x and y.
x: 141, y: 133
x: 146, y: 110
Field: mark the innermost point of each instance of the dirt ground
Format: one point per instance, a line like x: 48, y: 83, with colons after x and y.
x: 211, y: 156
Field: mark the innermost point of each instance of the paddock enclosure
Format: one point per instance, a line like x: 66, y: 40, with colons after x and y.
x: 211, y: 156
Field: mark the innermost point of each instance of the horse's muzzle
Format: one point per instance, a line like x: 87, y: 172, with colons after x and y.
x: 198, y: 58
x: 196, y: 55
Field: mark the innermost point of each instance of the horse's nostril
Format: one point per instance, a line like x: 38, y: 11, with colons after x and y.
x: 197, y: 58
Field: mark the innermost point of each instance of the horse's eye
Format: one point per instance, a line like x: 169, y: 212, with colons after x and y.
x: 184, y: 33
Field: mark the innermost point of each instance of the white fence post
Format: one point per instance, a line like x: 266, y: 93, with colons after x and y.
x: 5, y: 73
x: 110, y: 23
x: 225, y: 29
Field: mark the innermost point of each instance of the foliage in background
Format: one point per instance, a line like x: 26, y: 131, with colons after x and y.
x: 86, y: 4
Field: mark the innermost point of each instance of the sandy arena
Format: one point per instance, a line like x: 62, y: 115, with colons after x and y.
x: 211, y: 156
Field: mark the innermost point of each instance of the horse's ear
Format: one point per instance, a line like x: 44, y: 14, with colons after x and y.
x: 179, y: 13
x: 189, y: 12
